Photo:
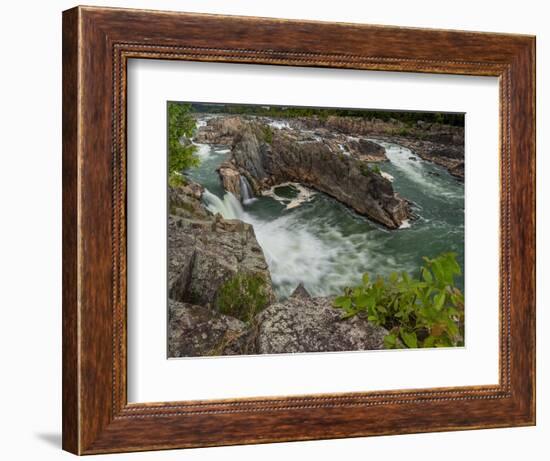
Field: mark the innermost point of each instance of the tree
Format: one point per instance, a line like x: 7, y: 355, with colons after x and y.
x: 181, y: 152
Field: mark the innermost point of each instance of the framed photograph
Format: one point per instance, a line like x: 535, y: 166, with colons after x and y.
x: 281, y: 230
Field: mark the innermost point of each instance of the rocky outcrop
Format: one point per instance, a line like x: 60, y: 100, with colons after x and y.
x: 347, y: 178
x: 220, y: 130
x: 204, y: 254
x: 304, y: 324
x: 434, y: 142
x: 198, y: 331
x: 231, y: 179
x: 206, y: 251
x: 185, y: 201
x: 366, y: 150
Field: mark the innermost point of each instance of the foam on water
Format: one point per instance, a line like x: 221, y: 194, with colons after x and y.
x: 421, y: 172
x: 279, y: 124
x: 298, y: 250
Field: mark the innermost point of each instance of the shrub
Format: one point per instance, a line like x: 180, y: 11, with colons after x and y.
x: 404, y: 131
x: 368, y: 170
x: 418, y: 312
x: 376, y: 169
x: 181, y: 125
x: 267, y: 133
x: 243, y: 296
x: 176, y: 179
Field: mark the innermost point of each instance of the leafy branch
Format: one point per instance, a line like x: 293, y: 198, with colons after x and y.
x: 427, y: 311
x: 181, y: 152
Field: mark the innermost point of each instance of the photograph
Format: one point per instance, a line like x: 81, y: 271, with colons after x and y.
x: 313, y: 229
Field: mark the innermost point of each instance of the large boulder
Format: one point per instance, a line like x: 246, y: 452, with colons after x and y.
x: 195, y: 331
x: 302, y: 324
x: 204, y: 255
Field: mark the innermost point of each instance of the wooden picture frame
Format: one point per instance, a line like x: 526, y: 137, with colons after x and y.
x: 97, y: 43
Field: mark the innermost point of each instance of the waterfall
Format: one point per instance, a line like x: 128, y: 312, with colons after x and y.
x: 229, y: 207
x: 246, y: 191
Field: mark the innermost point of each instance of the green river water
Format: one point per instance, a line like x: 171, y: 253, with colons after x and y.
x: 325, y: 245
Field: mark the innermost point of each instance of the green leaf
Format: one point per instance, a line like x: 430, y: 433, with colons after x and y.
x: 439, y: 300
x: 427, y: 275
x: 429, y: 341
x: 361, y: 301
x: 342, y: 301
x: 409, y: 339
x: 365, y: 278
x: 390, y: 341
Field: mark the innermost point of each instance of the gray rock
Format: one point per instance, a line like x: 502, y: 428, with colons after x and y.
x: 184, y: 201
x: 367, y: 151
x: 348, y: 179
x: 230, y: 177
x: 205, y: 251
x: 246, y: 154
x: 300, y: 292
x: 313, y: 325
x: 198, y: 331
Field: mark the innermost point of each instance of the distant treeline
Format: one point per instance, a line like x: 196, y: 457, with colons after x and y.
x: 290, y: 111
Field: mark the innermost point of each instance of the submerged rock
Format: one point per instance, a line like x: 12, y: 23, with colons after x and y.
x: 312, y: 325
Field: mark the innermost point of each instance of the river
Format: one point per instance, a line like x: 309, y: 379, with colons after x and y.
x: 311, y: 238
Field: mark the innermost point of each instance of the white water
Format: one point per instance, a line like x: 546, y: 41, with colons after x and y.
x: 229, y: 207
x: 278, y: 124
x: 416, y: 169
x: 203, y: 151
x: 246, y: 191
x: 325, y: 260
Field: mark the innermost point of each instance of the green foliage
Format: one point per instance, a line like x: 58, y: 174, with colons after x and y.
x: 243, y: 296
x: 367, y: 170
x: 176, y: 179
x: 267, y: 134
x: 404, y: 131
x: 419, y: 312
x: 181, y: 127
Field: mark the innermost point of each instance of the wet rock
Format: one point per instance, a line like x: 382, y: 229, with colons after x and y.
x: 198, y: 331
x: 313, y: 325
